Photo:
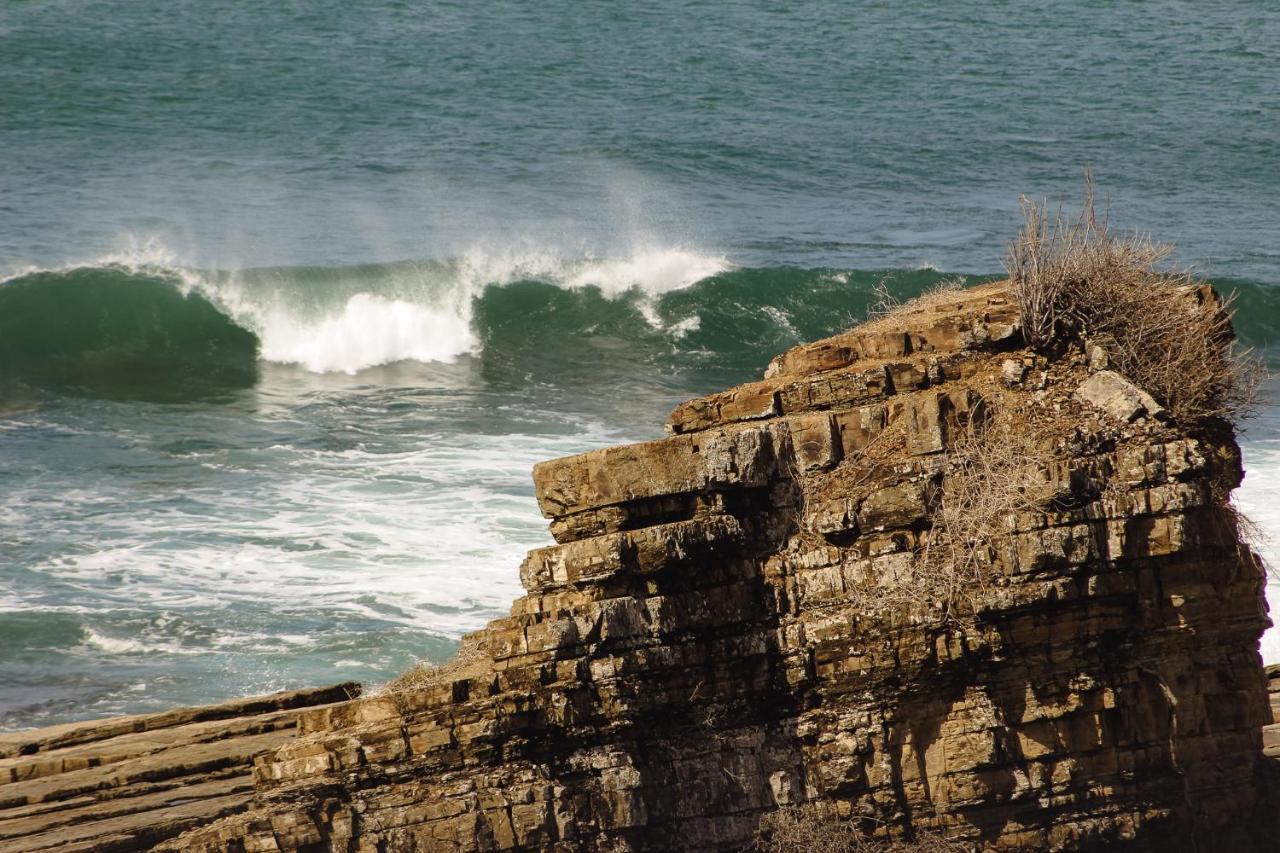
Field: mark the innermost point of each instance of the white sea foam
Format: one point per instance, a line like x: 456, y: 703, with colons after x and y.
x: 683, y: 327
x: 370, y: 330
x: 112, y: 645
x: 782, y: 319
x: 1259, y: 498
x: 652, y: 271
x: 139, y: 645
x: 330, y: 532
x: 430, y: 319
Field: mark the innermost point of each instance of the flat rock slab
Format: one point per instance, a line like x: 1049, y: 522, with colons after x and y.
x: 126, y: 783
x: 1117, y: 396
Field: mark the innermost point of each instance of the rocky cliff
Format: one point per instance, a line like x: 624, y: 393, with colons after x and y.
x: 918, y: 577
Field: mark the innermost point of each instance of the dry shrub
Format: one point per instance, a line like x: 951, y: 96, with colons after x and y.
x: 808, y: 830
x: 992, y: 473
x: 471, y: 658
x: 884, y: 304
x: 1163, y: 328
x: 992, y: 476
x: 883, y: 301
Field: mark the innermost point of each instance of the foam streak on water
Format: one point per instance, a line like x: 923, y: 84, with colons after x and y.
x: 1259, y: 499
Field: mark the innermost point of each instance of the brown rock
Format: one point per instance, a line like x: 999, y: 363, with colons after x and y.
x: 127, y: 783
x: 1013, y: 371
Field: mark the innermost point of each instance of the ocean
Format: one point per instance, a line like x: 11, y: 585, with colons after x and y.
x: 293, y: 295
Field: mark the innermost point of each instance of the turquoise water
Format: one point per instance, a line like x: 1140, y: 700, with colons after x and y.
x: 294, y: 295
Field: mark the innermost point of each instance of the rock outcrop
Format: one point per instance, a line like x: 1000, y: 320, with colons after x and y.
x: 127, y: 783
x: 751, y: 613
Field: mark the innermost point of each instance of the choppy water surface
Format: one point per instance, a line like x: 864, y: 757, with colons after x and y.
x: 294, y: 295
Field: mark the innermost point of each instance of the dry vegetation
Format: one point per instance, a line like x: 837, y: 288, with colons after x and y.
x: 993, y: 473
x: 470, y: 660
x: 996, y: 469
x: 885, y: 304
x: 1075, y: 282
x: 1161, y: 327
x: 992, y: 476
x: 808, y: 830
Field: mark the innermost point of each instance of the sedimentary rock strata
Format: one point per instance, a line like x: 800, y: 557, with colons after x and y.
x: 752, y: 612
x: 126, y: 783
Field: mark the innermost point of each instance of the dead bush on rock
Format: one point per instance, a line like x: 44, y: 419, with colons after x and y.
x: 988, y: 477
x: 808, y: 830
x: 471, y: 656
x: 1164, y: 328
x: 992, y: 477
x: 886, y: 306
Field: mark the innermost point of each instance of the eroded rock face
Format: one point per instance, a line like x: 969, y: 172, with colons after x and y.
x: 126, y: 783
x: 699, y: 648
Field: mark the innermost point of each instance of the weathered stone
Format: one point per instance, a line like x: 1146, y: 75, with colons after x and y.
x: 857, y: 428
x: 900, y: 505
x: 982, y: 317
x: 925, y: 425
x: 126, y: 783
x: 1098, y: 357
x: 814, y: 440
x: 1118, y: 397
x: 1013, y: 371
x: 754, y: 401
x: 835, y: 388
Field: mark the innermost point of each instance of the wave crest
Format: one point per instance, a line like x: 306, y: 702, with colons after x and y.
x: 135, y: 317
x: 370, y: 330
x: 116, y: 330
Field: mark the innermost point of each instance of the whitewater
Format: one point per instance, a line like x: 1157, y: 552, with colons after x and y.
x: 382, y: 314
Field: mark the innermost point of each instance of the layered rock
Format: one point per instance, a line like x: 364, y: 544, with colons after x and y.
x: 126, y: 783
x: 727, y: 624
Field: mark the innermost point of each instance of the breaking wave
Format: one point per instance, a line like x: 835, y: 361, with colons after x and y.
x: 139, y: 320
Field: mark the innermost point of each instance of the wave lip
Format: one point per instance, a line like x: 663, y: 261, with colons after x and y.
x: 649, y: 271
x: 333, y: 320
x: 134, y: 320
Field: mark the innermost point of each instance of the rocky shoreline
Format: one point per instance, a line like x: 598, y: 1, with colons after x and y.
x: 126, y: 783
x: 752, y: 613
x: 113, y: 785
